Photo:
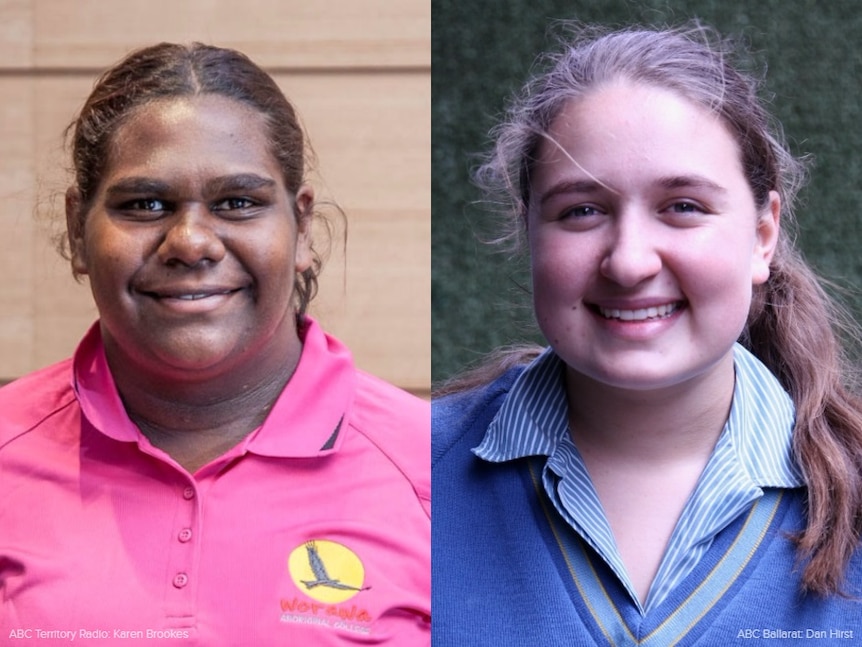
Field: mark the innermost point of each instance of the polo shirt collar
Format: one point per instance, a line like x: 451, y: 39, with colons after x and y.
x: 308, y: 419
x: 311, y: 415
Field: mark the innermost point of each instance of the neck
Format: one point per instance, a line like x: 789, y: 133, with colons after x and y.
x: 677, y: 423
x: 191, y: 408
x: 196, y: 419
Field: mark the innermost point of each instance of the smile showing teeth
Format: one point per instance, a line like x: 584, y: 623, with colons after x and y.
x: 642, y: 314
x: 195, y: 296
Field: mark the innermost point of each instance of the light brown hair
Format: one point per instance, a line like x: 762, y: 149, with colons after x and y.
x: 794, y: 327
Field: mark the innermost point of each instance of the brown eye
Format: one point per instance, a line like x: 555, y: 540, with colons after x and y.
x: 144, y: 209
x: 145, y: 204
x: 233, y: 204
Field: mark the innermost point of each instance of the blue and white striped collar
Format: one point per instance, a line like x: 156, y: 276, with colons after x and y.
x: 533, y: 419
x: 534, y: 416
x: 753, y: 452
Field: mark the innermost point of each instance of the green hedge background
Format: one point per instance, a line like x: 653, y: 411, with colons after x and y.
x: 482, y: 51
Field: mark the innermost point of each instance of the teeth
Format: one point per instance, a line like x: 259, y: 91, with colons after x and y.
x: 195, y: 297
x: 641, y: 314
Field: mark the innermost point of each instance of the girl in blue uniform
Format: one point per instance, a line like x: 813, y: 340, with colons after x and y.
x: 682, y: 464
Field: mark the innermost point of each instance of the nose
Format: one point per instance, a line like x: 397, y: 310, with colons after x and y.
x: 633, y: 253
x: 191, y: 238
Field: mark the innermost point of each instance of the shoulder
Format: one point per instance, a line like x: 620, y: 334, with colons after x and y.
x: 398, y: 424
x: 30, y: 400
x: 377, y: 398
x: 466, y: 415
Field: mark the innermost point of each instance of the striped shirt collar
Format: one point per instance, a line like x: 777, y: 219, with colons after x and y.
x: 753, y: 452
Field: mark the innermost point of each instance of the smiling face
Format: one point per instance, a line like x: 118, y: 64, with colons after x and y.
x: 645, y: 239
x: 192, y: 242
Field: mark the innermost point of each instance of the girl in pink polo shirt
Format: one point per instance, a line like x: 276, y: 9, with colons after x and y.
x: 209, y: 468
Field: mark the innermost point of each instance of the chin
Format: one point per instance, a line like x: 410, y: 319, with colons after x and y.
x: 632, y: 378
x: 194, y: 355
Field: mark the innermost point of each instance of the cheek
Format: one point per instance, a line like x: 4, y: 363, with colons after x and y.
x: 108, y: 251
x: 546, y: 277
x: 559, y: 281
x: 719, y: 258
x: 718, y: 288
x: 272, y: 265
x: 561, y: 266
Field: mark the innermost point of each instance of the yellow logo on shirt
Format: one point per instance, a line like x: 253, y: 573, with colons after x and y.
x: 326, y: 571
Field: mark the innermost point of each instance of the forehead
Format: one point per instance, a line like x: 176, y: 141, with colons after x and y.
x: 171, y: 134
x: 213, y: 110
x: 624, y: 107
x: 624, y: 123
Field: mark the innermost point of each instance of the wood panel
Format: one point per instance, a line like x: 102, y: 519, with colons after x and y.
x: 379, y: 300
x: 16, y: 33
x: 371, y: 133
x: 372, y: 137
x: 319, y: 34
x: 16, y: 190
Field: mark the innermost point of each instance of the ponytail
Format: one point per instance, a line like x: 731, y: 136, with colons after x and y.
x: 795, y: 328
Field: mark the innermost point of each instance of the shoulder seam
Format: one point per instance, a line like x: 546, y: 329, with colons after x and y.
x: 70, y: 401
x: 397, y: 466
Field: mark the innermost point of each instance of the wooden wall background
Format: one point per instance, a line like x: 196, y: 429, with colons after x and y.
x: 359, y: 73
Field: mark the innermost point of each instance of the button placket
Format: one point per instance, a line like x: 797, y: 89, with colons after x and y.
x: 183, y: 553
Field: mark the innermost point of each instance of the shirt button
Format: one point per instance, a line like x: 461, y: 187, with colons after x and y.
x: 189, y: 493
x: 180, y: 580
x: 185, y: 535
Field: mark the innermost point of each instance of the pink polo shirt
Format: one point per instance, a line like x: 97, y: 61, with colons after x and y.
x: 313, y: 531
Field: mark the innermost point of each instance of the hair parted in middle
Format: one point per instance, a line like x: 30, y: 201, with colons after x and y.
x: 169, y: 70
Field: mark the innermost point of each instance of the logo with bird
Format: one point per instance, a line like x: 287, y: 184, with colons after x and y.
x: 326, y: 571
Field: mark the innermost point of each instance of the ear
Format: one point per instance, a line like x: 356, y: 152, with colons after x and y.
x: 768, y: 228
x: 75, y: 231
x: 304, y: 257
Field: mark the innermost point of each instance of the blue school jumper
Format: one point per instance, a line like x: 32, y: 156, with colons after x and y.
x: 508, y: 570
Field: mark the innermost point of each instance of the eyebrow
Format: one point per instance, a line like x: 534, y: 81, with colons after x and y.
x: 222, y: 184
x: 239, y: 182
x: 669, y: 183
x: 690, y: 182
x: 137, y: 185
x: 571, y: 186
